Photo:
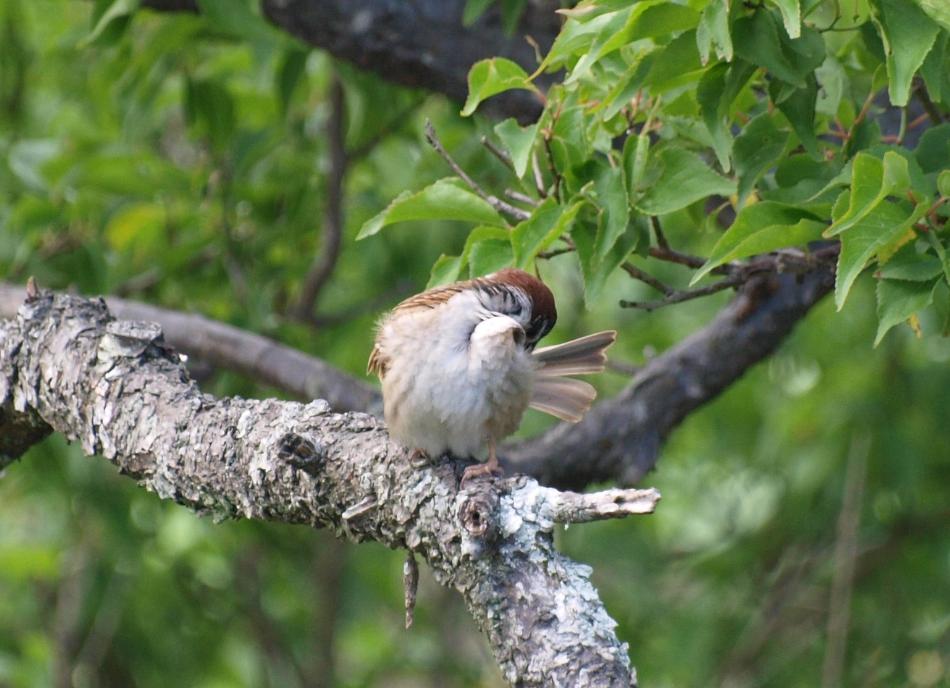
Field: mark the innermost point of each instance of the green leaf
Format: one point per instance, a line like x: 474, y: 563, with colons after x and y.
x: 611, y: 189
x: 681, y: 178
x: 908, y: 34
x: 111, y: 15
x: 28, y: 159
x: 898, y: 300
x: 791, y: 16
x: 756, y: 150
x: 490, y: 256
x: 645, y: 19
x: 760, y: 228
x: 872, y: 180
x: 933, y: 149
x: 473, y: 10
x: 519, y: 141
x: 237, y: 18
x: 716, y: 91
x: 446, y: 199
x: 759, y: 40
x: 636, y: 150
x: 445, y: 270
x: 490, y: 77
x: 943, y: 183
x: 712, y: 33
x: 449, y: 268
x: 942, y: 307
x: 832, y: 84
x: 936, y: 69
x: 938, y: 10
x: 798, y: 106
x: 662, y: 19
x: 577, y: 37
x: 908, y: 264
x: 548, y: 221
x: 140, y: 223
x: 289, y: 73
x: 209, y: 105
x: 875, y: 230
x: 675, y: 65
x: 596, y: 271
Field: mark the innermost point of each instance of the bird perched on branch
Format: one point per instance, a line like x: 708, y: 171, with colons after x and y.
x: 459, y: 367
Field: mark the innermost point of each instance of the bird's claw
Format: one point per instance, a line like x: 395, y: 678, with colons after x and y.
x: 478, y: 470
x: 418, y: 458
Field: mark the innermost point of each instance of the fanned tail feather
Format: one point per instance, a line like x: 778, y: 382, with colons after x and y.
x: 576, y: 357
x: 561, y: 396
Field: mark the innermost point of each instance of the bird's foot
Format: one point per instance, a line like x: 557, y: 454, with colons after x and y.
x: 479, y: 469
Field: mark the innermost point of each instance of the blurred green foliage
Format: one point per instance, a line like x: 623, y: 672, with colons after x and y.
x: 182, y: 160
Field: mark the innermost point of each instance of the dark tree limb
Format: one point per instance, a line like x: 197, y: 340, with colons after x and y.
x: 116, y: 388
x: 620, y: 439
x: 325, y: 262
x: 420, y: 44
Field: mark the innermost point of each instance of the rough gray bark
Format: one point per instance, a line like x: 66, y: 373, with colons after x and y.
x: 620, y: 439
x: 420, y: 44
x: 221, y: 345
x: 122, y: 393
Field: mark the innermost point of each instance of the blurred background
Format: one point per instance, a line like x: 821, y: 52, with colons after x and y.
x: 188, y: 164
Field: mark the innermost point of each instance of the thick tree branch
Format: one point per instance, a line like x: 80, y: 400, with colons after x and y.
x: 261, y: 359
x: 116, y: 388
x: 421, y: 44
x: 620, y: 439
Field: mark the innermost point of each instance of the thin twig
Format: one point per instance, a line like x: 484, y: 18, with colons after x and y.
x: 551, y: 166
x: 685, y: 295
x: 324, y: 264
x: 521, y: 198
x: 495, y: 202
x: 658, y: 230
x: 538, y: 179
x: 846, y: 552
x: 671, y: 256
x: 920, y: 92
x: 556, y: 252
x: 638, y: 274
x: 498, y: 153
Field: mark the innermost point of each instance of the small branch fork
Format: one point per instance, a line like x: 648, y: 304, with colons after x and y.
x: 736, y: 274
x: 67, y: 366
x: 495, y: 202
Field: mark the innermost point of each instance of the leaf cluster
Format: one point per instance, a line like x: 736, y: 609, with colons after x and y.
x: 771, y: 126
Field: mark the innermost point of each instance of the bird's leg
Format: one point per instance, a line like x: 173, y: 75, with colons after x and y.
x: 490, y: 467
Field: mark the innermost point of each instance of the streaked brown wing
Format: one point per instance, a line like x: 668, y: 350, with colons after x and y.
x: 432, y: 297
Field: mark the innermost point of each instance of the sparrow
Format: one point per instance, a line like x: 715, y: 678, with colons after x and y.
x: 459, y: 367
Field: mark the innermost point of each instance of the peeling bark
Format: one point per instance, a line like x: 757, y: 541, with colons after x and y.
x: 122, y: 393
